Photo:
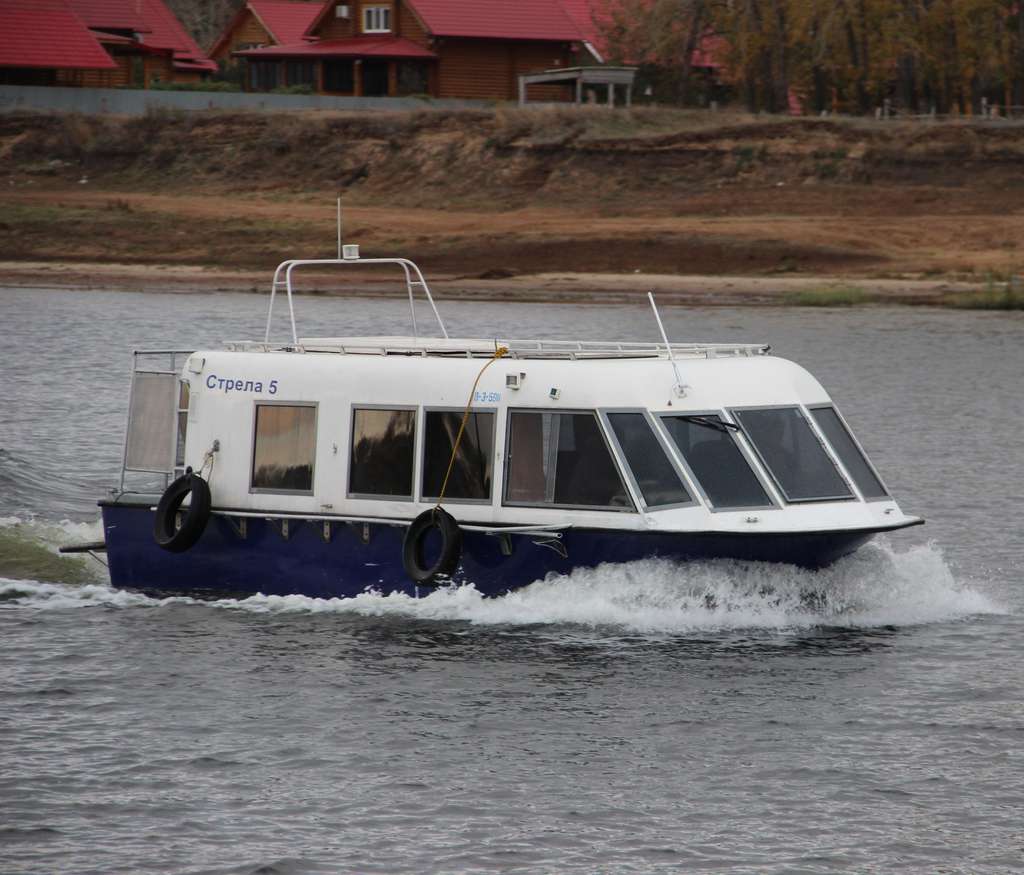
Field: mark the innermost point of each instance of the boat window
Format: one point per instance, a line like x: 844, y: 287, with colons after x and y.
x: 793, y: 455
x: 470, y: 478
x: 853, y: 459
x: 656, y: 477
x: 383, y: 446
x: 719, y: 465
x: 561, y: 459
x: 151, y: 412
x: 284, y: 447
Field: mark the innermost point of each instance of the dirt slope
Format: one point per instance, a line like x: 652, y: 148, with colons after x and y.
x: 519, y: 192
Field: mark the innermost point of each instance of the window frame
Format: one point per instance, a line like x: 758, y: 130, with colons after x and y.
x: 853, y: 437
x: 422, y: 447
x: 801, y: 410
x: 638, y: 493
x: 377, y: 8
x: 417, y: 449
x: 633, y: 508
x: 263, y: 490
x: 181, y: 435
x: 741, y: 446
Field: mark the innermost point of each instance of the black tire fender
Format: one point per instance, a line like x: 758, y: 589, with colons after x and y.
x: 414, y: 542
x: 195, y: 517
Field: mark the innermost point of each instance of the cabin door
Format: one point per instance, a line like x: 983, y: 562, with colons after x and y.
x: 375, y: 78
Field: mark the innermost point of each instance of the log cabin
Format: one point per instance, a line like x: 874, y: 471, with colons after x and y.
x: 96, y: 43
x: 468, y: 49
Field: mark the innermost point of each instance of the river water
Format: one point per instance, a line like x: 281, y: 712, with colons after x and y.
x: 617, y: 720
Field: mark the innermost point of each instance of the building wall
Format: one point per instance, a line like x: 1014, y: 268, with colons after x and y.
x: 410, y: 27
x: 118, y: 78
x: 248, y: 32
x: 479, y: 69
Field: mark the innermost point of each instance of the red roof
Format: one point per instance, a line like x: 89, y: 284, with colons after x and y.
x: 357, y: 47
x: 109, y: 14
x: 166, y: 32
x: 498, y: 19
x: 287, y: 22
x: 46, y: 33
x: 585, y: 14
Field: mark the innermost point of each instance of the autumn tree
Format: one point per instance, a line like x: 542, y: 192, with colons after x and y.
x: 843, y: 55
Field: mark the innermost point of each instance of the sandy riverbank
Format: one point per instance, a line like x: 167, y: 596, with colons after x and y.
x: 584, y: 288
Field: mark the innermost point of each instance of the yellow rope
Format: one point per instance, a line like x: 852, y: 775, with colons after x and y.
x: 500, y: 352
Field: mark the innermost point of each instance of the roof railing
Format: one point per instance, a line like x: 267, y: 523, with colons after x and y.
x: 518, y: 349
x: 350, y: 256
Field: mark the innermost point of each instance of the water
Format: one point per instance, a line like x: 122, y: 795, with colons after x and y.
x: 651, y: 717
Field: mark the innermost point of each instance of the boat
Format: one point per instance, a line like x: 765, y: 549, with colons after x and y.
x: 332, y: 466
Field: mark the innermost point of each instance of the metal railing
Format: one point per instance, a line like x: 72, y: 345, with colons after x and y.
x: 350, y: 257
x: 517, y: 349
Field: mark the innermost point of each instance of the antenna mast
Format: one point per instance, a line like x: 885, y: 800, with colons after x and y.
x: 679, y: 388
x: 339, y: 229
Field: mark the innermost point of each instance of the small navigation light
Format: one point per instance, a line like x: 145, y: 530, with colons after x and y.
x: 514, y: 381
x: 350, y: 252
x: 555, y: 394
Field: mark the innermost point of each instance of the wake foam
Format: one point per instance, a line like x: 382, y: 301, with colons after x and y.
x: 874, y: 587
x: 29, y: 550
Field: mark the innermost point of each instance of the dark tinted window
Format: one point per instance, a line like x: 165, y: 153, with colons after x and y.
x: 849, y: 453
x: 471, y: 472
x: 561, y: 458
x: 339, y: 76
x: 263, y: 75
x: 793, y: 454
x: 284, y: 447
x: 658, y: 480
x: 721, y: 469
x: 300, y: 73
x: 382, y: 452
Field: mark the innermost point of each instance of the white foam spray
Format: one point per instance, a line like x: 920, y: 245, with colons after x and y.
x: 875, y: 587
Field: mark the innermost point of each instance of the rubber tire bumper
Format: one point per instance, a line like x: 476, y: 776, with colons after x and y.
x: 196, y: 515
x: 415, y: 541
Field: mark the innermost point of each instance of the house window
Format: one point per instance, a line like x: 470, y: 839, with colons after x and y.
x: 561, y: 459
x: 376, y: 19
x: 301, y: 73
x: 263, y: 75
x: 470, y: 478
x: 284, y: 448
x: 339, y: 76
x: 413, y: 78
x: 383, y: 447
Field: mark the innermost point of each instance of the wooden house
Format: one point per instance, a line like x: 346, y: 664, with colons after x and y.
x: 262, y: 23
x: 96, y: 43
x: 471, y: 49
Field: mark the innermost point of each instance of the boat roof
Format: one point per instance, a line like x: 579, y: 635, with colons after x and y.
x: 456, y: 347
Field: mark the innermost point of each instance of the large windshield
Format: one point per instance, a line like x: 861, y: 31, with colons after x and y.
x: 659, y: 483
x: 793, y: 454
x: 849, y: 453
x: 716, y: 461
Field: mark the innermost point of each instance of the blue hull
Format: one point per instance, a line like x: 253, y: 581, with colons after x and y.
x: 357, y: 558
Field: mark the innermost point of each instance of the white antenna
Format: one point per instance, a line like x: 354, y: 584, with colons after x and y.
x: 680, y: 389
x: 339, y: 229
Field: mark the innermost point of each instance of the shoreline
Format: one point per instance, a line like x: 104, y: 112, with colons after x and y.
x: 557, y: 288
